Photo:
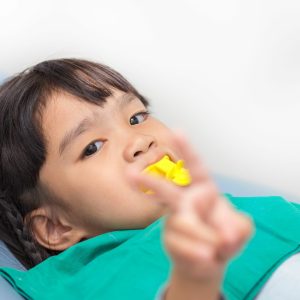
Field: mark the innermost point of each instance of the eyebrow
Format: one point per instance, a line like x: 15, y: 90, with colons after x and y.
x: 85, y: 124
x: 78, y: 130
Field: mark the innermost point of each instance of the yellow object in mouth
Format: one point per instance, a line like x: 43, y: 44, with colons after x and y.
x: 174, y: 172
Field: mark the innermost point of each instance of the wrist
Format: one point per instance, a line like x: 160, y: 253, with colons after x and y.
x: 183, y: 287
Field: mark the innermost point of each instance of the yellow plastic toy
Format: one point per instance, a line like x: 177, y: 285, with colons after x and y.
x: 174, y: 172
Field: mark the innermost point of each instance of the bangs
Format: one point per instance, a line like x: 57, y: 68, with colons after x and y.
x: 87, y: 80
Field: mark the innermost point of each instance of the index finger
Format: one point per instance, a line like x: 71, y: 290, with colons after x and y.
x: 191, y: 159
x: 165, y: 192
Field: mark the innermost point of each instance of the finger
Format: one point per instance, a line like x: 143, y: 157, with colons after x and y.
x: 234, y: 228
x: 193, y: 229
x: 204, y: 197
x: 165, y: 191
x: 241, y: 228
x: 185, y: 250
x: 190, y: 157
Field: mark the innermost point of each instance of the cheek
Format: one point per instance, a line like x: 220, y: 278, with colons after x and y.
x: 161, y: 129
x: 163, y: 134
x: 98, y: 180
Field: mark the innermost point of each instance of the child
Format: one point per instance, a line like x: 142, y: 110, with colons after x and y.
x: 75, y: 137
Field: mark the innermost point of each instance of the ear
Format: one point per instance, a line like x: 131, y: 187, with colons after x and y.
x: 53, y: 233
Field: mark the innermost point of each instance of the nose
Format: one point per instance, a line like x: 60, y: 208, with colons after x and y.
x: 137, y: 145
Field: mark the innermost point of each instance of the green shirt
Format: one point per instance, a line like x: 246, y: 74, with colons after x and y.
x: 133, y: 264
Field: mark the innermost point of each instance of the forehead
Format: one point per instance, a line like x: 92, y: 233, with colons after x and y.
x: 64, y: 106
x: 63, y: 111
x: 63, y: 102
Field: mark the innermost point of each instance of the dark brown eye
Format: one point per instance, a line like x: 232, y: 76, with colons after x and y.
x: 92, y: 148
x: 139, y: 118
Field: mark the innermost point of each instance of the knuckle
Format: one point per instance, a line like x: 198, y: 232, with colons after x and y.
x: 210, y: 190
x: 246, y: 226
x: 205, y: 191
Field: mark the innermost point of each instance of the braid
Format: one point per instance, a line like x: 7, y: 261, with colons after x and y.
x: 34, y: 253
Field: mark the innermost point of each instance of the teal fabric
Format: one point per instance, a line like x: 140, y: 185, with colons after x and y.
x: 132, y: 264
x: 128, y: 264
x: 276, y: 238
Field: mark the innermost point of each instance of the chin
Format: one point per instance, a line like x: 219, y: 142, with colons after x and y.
x: 161, y: 211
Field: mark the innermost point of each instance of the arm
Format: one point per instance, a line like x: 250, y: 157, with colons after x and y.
x: 181, y: 287
x: 202, y: 230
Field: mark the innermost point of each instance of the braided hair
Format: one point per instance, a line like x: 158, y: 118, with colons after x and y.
x: 23, y: 147
x: 23, y: 245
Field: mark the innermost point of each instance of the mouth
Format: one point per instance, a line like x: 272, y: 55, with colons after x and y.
x: 158, y: 157
x: 170, y: 170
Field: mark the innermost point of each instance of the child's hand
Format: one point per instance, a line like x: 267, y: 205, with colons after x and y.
x: 202, y: 229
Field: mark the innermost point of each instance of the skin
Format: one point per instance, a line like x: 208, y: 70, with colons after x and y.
x: 202, y: 232
x: 90, y: 203
x: 102, y: 192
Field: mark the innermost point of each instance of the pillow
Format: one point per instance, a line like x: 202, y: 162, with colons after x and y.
x: 2, y: 77
x: 8, y: 260
x: 240, y: 188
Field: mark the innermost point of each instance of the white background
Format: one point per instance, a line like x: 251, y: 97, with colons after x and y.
x: 227, y: 72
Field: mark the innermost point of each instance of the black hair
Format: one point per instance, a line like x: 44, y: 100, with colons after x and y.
x: 23, y: 146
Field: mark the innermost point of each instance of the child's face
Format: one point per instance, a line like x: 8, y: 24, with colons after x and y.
x: 96, y: 194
